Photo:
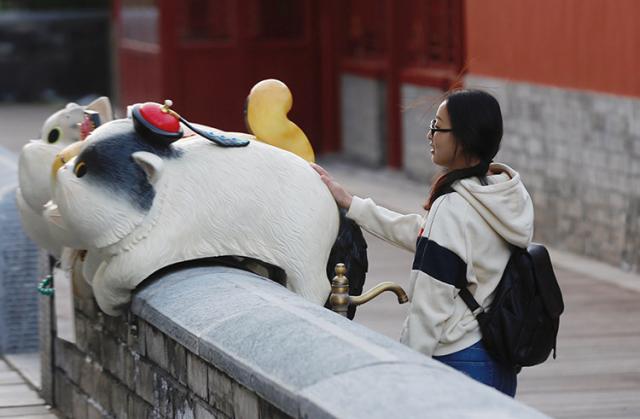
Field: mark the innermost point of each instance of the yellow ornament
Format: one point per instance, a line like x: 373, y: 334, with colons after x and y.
x: 66, y: 154
x: 268, y: 104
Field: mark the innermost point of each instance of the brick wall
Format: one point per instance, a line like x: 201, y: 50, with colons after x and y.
x: 18, y: 295
x: 18, y: 269
x: 129, y: 369
x: 579, y: 155
x: 364, y: 124
x: 419, y: 106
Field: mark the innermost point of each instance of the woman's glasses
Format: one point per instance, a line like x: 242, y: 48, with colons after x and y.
x: 433, y: 129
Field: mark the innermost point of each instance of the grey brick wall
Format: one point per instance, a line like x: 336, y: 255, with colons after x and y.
x: 18, y: 269
x: 129, y: 369
x: 419, y: 106
x: 364, y: 122
x: 579, y: 155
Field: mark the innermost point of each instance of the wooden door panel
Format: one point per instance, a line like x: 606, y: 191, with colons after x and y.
x: 283, y: 44
x: 212, y: 90
x: 140, y: 76
x: 291, y: 67
x: 252, y: 40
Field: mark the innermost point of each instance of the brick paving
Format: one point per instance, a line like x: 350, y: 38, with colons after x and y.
x: 18, y: 399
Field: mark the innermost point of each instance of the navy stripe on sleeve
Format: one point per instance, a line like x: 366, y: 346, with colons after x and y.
x: 440, y: 263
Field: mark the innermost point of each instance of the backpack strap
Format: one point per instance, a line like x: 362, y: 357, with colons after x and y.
x: 476, y: 309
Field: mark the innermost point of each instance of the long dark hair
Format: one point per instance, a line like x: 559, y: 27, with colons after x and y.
x: 476, y: 123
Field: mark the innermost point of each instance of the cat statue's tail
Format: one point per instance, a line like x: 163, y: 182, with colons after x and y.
x: 349, y: 248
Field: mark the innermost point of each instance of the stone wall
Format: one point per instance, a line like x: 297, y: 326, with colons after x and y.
x: 579, y: 156
x: 125, y: 367
x: 18, y: 269
x: 215, y: 342
x: 419, y: 106
x: 578, y: 153
x: 364, y: 122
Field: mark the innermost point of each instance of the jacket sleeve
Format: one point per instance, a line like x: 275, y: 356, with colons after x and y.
x: 439, y: 270
x: 398, y: 229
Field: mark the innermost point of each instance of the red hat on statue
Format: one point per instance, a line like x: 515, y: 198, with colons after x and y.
x: 157, y: 121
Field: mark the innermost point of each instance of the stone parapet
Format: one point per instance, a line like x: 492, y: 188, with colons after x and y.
x: 204, y: 342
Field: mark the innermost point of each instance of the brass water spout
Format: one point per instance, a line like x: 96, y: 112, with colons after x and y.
x: 379, y: 289
x: 340, y: 299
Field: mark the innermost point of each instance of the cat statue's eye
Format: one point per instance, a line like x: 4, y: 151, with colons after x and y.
x: 80, y: 169
x: 54, y: 135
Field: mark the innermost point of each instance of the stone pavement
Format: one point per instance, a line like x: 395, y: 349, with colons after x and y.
x: 18, y: 399
x: 20, y: 123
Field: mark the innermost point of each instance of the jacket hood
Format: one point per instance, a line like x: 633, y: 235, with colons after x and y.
x: 504, y: 203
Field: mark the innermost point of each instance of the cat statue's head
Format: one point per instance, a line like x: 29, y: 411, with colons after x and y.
x: 65, y: 127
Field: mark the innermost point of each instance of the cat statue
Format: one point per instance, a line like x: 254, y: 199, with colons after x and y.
x: 65, y: 127
x: 139, y: 202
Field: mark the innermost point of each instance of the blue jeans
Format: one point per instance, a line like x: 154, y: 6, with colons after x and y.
x: 477, y: 364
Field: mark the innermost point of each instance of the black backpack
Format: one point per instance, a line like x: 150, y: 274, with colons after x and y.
x: 520, y: 327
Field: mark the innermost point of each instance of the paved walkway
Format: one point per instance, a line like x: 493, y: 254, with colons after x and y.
x: 22, y: 122
x: 18, y: 399
x: 597, y: 371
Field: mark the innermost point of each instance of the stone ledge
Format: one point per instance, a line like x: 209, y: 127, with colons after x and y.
x: 304, y: 359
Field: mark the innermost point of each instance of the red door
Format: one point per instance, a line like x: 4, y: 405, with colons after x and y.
x: 283, y: 43
x: 417, y: 42
x: 224, y: 47
x: 139, y: 64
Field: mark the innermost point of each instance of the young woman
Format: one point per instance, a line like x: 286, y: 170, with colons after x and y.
x: 475, y: 210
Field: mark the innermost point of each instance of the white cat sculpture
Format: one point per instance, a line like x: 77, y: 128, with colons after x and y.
x: 34, y: 168
x: 139, y: 203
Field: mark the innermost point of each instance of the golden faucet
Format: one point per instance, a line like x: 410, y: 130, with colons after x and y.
x: 340, y: 300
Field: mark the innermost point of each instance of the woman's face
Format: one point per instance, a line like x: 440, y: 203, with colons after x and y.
x: 444, y: 149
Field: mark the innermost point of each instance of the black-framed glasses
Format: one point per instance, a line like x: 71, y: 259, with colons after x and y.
x: 433, y: 129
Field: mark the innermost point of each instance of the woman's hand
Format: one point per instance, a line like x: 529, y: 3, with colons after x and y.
x: 340, y: 194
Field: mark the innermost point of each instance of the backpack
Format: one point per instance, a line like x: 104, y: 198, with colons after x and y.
x: 520, y: 327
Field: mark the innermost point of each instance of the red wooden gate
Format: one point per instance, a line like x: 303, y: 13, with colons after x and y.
x: 403, y: 41
x: 207, y: 54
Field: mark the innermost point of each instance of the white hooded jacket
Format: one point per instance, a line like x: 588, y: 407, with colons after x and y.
x: 462, y: 240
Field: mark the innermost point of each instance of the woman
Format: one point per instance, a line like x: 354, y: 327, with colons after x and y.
x: 475, y: 210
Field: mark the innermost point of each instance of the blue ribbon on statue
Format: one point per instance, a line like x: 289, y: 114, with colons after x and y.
x: 219, y: 139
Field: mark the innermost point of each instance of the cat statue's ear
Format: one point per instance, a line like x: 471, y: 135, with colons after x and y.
x: 150, y: 163
x: 102, y: 105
